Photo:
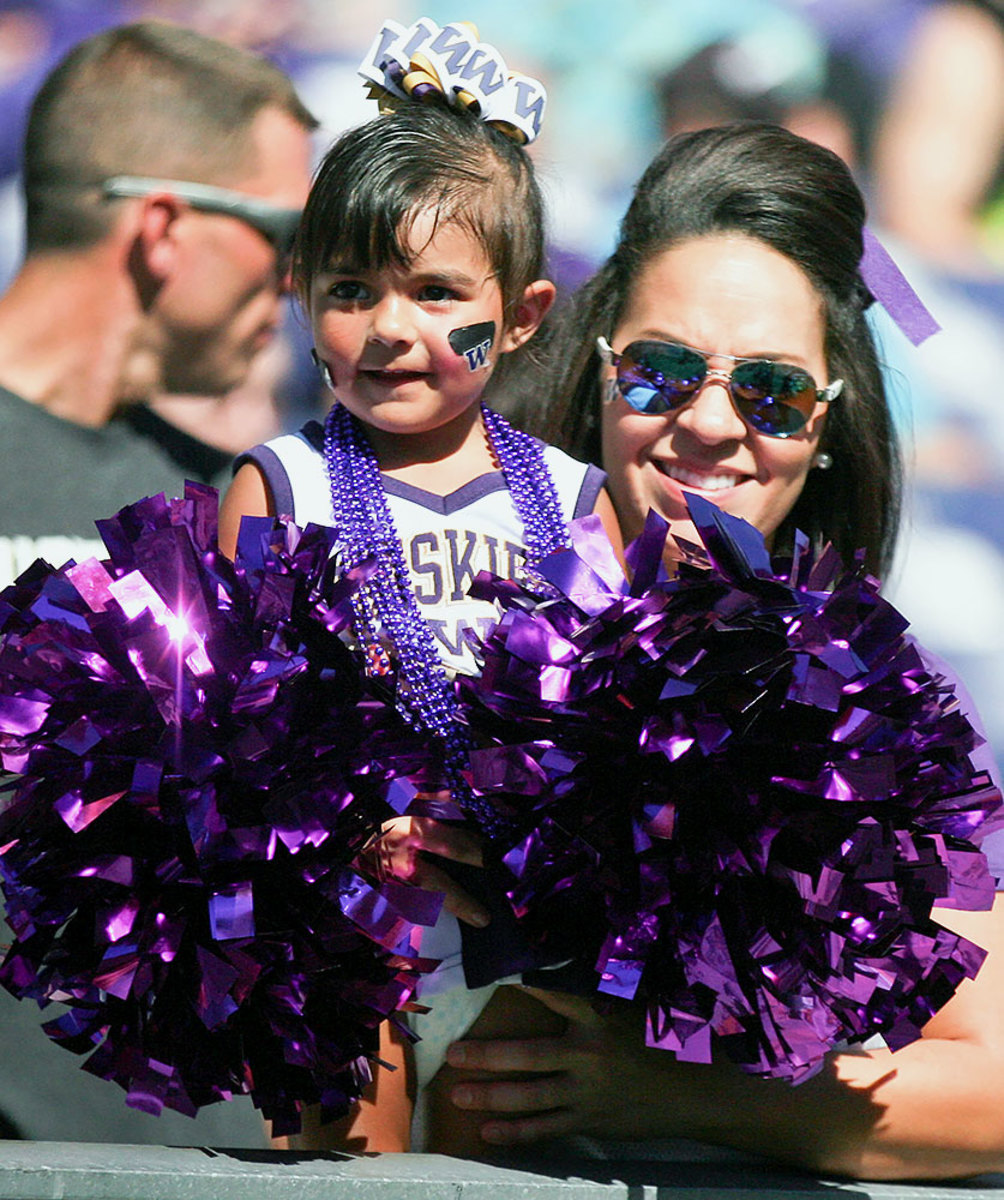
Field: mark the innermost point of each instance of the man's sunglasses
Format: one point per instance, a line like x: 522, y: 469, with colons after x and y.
x: 773, y: 398
x: 277, y: 225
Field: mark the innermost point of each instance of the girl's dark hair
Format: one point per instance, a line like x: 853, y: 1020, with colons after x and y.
x: 766, y: 183
x: 377, y: 179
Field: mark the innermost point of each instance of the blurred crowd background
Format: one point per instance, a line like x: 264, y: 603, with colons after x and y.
x: 910, y: 92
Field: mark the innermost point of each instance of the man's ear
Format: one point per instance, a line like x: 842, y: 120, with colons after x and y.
x: 156, y: 233
x: 533, y: 307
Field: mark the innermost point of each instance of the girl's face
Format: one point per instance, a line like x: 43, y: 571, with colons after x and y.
x: 724, y: 295
x: 385, y: 334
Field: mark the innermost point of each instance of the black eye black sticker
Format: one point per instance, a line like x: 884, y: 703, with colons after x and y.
x: 323, y: 370
x: 473, y: 342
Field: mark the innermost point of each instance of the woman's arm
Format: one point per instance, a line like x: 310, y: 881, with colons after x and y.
x: 934, y: 1109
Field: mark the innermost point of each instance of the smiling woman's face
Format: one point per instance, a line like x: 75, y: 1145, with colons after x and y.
x: 724, y: 294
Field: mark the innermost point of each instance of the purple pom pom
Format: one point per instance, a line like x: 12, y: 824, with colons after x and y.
x: 738, y: 794
x: 201, y: 758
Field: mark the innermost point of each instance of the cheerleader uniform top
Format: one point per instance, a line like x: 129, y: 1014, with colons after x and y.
x: 446, y: 540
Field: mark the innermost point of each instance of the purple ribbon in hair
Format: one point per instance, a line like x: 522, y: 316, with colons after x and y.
x: 892, y: 290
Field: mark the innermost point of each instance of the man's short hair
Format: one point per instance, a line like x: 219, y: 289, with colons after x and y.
x: 152, y: 99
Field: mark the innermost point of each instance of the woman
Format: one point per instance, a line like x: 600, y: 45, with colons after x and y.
x: 801, y: 217
x: 723, y: 349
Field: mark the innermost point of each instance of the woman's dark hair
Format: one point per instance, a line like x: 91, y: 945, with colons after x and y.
x: 766, y: 183
x: 377, y: 179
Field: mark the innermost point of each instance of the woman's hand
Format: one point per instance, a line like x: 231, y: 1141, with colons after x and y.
x: 581, y: 1076
x: 932, y: 1110
x: 400, y: 851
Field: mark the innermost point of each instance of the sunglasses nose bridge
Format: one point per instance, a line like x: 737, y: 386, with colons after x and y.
x: 723, y: 378
x: 713, y: 416
x: 717, y: 375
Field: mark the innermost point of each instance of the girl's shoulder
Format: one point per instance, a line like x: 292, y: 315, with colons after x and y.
x: 578, y: 483
x: 292, y: 466
x: 554, y: 454
x: 306, y: 441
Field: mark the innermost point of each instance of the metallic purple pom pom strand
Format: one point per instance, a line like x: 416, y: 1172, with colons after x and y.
x: 737, y: 794
x: 201, y: 758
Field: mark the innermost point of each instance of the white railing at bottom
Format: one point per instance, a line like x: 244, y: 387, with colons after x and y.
x: 92, y: 1171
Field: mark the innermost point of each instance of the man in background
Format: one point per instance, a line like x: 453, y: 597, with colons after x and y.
x: 163, y: 175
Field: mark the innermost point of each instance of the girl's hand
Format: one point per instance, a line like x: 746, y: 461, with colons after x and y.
x: 400, y: 851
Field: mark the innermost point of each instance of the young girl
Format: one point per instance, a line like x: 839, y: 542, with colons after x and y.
x: 419, y: 262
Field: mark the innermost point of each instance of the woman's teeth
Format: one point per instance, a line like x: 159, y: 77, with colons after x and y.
x: 698, y: 479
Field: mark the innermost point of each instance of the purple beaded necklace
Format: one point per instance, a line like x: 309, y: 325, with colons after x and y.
x: 386, y: 605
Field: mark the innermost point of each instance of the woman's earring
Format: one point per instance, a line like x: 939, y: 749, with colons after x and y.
x: 323, y: 369
x: 823, y: 461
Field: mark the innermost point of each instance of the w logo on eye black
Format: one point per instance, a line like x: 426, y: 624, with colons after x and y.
x: 479, y: 354
x: 473, y: 342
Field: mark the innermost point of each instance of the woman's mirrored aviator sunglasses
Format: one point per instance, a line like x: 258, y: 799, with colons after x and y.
x: 775, y: 399
x: 276, y: 224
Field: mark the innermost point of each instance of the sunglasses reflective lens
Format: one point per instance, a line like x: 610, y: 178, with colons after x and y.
x: 657, y: 377
x: 775, y: 399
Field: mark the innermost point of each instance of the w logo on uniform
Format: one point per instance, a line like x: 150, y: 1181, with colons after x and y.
x: 473, y: 342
